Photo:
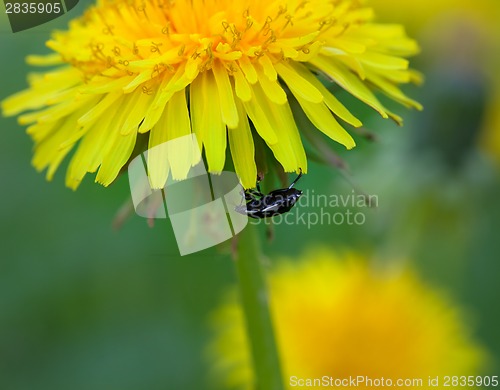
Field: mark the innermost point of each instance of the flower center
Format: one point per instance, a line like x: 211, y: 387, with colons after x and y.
x: 119, y: 38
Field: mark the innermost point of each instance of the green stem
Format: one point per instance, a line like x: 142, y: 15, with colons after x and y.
x: 255, y: 302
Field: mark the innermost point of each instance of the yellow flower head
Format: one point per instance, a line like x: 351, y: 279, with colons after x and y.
x: 335, y: 316
x: 221, y: 69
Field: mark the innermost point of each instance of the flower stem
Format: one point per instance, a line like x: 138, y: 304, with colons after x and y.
x: 256, y: 309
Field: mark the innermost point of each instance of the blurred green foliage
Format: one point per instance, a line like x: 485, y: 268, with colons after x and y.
x: 84, y: 306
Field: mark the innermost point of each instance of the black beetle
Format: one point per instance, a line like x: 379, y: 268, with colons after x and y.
x: 276, y: 202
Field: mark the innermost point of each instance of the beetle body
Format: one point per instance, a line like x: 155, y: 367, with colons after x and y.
x: 277, y: 202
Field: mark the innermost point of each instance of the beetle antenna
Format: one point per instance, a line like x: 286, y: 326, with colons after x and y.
x: 296, y: 179
x: 257, y: 184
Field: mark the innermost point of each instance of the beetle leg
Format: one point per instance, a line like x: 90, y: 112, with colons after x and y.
x: 296, y: 179
x: 254, y: 194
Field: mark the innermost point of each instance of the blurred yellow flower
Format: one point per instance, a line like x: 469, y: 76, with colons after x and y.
x: 417, y: 14
x: 336, y: 316
x: 434, y: 18
x: 169, y: 68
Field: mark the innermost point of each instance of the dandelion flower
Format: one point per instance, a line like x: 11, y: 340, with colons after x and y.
x: 133, y: 74
x: 335, y: 316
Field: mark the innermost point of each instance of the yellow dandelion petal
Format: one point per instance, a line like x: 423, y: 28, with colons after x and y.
x: 402, y: 77
x: 96, y: 144
x: 309, y: 51
x: 331, y: 101
x: 350, y: 82
x: 379, y: 31
x: 226, y: 98
x: 149, y: 63
x: 387, y: 39
x: 136, y: 115
x: 248, y: 69
x: 416, y: 77
x: 298, y: 84
x: 95, y: 112
x: 260, y: 120
x: 215, y: 137
x: 178, y: 125
x: 393, y: 91
x: 280, y: 118
x: 60, y: 78
x: 271, y: 88
x: 47, y: 60
x: 116, y: 158
x: 49, y: 153
x: 352, y: 62
x: 63, y: 95
x: 55, y: 112
x: 241, y: 86
x: 153, y: 114
x: 118, y: 117
x: 299, y: 40
x: 37, y: 97
x: 268, y: 67
x: 139, y: 80
x: 384, y: 61
x: 349, y: 46
x: 287, y: 51
x: 321, y: 117
x: 124, y: 105
x: 40, y: 131
x: 112, y: 136
x: 101, y: 85
x: 360, y: 14
x: 243, y: 150
x: 197, y: 107
x: 89, y: 153
x: 164, y: 92
x: 157, y: 156
x: 283, y: 115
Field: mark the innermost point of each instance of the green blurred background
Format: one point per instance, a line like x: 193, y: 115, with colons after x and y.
x: 86, y: 306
